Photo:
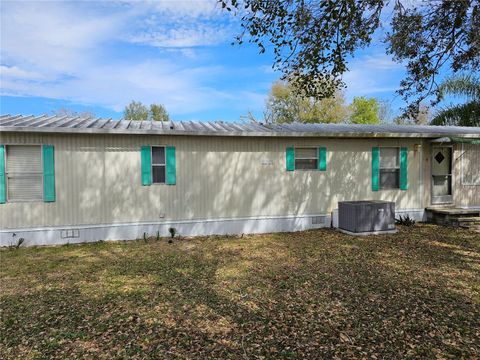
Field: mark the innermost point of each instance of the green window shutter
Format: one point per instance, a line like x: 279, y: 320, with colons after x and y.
x: 48, y: 173
x: 290, y: 156
x: 403, y: 168
x: 171, y: 166
x: 146, y: 156
x: 3, y: 187
x: 322, y: 159
x: 375, y: 168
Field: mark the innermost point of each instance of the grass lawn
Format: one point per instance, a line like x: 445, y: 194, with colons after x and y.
x: 300, y: 295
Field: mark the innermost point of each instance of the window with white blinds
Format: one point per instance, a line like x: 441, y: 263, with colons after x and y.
x: 389, y: 168
x: 24, y: 173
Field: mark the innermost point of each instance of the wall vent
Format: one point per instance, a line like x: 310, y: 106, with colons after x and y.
x: 69, y: 233
x: 319, y: 220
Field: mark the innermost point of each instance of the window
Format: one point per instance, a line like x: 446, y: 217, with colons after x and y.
x: 24, y: 173
x: 306, y: 158
x: 389, y: 168
x: 158, y: 164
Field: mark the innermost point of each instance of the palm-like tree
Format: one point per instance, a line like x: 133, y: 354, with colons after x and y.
x: 467, y: 114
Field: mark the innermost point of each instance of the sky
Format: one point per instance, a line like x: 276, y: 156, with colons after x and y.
x: 97, y: 56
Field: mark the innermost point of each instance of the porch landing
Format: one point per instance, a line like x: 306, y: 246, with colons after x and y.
x: 466, y: 218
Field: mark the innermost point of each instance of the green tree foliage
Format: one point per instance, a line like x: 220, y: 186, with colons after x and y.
x: 312, y: 39
x: 467, y: 114
x: 364, y: 111
x: 284, y: 105
x: 159, y: 113
x: 135, y: 111
x: 138, y: 111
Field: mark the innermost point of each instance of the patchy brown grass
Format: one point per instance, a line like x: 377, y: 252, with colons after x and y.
x: 301, y: 295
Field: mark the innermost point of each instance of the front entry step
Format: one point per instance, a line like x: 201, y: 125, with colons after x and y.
x: 466, y: 218
x: 466, y: 222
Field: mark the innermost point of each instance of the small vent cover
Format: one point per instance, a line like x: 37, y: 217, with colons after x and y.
x: 318, y: 220
x: 69, y: 233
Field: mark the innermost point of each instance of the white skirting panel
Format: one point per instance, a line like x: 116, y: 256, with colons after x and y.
x: 131, y: 231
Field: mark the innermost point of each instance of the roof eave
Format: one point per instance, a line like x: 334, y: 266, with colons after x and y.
x: 170, y: 132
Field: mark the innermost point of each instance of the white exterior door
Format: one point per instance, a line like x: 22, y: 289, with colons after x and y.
x: 442, y: 175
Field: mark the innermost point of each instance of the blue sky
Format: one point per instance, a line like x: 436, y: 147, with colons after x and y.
x: 100, y: 55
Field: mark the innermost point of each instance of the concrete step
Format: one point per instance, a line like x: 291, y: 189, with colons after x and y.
x: 469, y: 225
x: 474, y: 228
x: 452, y: 211
x: 470, y: 219
x: 467, y: 222
x: 454, y: 216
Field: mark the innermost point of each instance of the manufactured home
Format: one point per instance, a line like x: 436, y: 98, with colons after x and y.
x: 67, y: 179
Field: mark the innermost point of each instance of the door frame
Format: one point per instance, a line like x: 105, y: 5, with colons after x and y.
x: 445, y: 199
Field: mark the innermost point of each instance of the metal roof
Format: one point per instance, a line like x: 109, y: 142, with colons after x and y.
x: 89, y: 125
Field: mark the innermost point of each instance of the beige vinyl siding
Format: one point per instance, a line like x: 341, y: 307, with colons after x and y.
x: 466, y: 186
x: 98, y: 179
x: 470, y: 164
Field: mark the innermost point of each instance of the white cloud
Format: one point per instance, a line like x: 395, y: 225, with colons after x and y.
x: 180, y: 24
x: 380, y: 62
x: 67, y: 50
x: 18, y: 73
x: 184, y: 9
x: 182, y: 36
x: 372, y: 75
x: 52, y: 36
x: 114, y: 86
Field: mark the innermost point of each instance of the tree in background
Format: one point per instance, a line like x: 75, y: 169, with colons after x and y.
x: 284, y: 105
x: 424, y: 115
x: 312, y: 39
x: 135, y: 111
x: 421, y: 118
x: 385, y: 111
x: 138, y: 111
x: 159, y: 113
x: 364, y: 110
x: 467, y: 114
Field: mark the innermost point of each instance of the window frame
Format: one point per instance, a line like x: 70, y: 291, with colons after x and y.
x: 380, y: 168
x: 152, y: 165
x: 317, y: 158
x: 7, y: 198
